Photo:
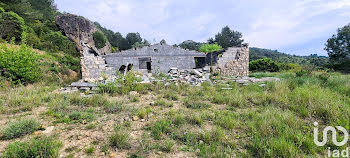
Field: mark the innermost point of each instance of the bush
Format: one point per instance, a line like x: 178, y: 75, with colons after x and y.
x: 100, y: 39
x: 19, y: 65
x: 265, y: 64
x: 55, y: 42
x: 11, y: 24
x: 19, y: 128
x: 37, y: 147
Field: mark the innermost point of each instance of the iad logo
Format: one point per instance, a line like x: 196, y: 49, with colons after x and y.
x: 334, y: 135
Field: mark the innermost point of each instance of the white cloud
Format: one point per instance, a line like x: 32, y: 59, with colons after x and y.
x: 271, y: 24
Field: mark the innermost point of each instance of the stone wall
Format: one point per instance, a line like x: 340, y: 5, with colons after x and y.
x: 162, y: 57
x: 80, y: 31
x: 234, y: 62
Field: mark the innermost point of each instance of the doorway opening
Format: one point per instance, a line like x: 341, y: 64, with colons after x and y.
x: 149, y: 67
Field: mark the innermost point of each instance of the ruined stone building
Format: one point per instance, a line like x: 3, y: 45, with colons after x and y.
x: 96, y: 63
x: 155, y: 58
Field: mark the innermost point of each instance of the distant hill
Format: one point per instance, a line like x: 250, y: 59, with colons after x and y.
x: 313, y: 59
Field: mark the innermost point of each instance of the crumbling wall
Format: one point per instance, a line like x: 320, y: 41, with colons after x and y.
x: 80, y: 31
x: 234, y: 62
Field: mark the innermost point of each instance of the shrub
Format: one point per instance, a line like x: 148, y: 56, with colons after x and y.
x: 11, y: 24
x: 20, y: 65
x: 303, y: 73
x: 55, y: 42
x: 100, y: 39
x: 19, y: 128
x: 265, y: 64
x: 109, y: 87
x: 36, y: 147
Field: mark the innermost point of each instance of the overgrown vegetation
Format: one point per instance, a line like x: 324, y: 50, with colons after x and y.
x: 41, y: 146
x: 19, y: 65
x: 100, y: 39
x: 205, y: 121
x: 19, y: 128
x: 32, y: 23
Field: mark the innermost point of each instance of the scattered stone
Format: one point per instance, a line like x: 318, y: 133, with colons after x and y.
x: 198, y: 150
x: 159, y: 153
x: 133, y: 93
x: 83, y: 84
x: 197, y: 73
x: 37, y: 132
x: 48, y: 130
x: 135, y: 118
x: 262, y: 85
x: 127, y: 118
x: 111, y: 155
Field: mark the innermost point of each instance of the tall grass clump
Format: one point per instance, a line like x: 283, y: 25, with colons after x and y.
x: 278, y: 133
x: 41, y: 146
x: 120, y: 138
x: 20, y: 128
x: 195, y: 103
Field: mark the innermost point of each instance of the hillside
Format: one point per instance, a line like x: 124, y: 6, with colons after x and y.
x: 260, y: 53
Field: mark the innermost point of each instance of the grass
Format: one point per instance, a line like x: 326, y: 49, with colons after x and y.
x: 163, y: 103
x: 205, y: 121
x: 120, y: 138
x: 20, y: 128
x: 167, y: 146
x: 195, y: 103
x: 36, y: 147
x: 90, y: 150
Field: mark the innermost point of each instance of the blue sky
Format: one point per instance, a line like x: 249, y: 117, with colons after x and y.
x: 298, y: 27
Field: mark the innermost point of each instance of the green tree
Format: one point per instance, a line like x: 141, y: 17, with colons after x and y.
x: 100, y: 39
x: 228, y: 38
x: 191, y: 45
x: 132, y: 38
x: 210, y: 48
x: 163, y: 41
x: 11, y: 24
x: 338, y: 46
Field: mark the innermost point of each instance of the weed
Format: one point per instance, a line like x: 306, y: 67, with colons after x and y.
x: 90, y: 150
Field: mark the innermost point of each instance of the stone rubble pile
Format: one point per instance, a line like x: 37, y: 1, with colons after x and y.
x: 194, y: 77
